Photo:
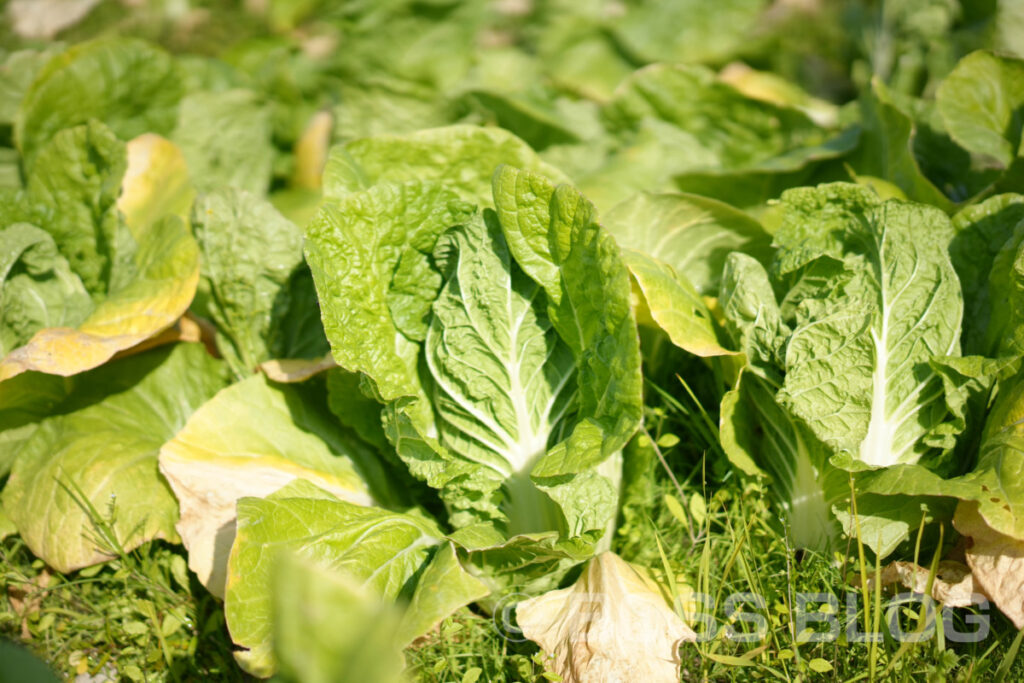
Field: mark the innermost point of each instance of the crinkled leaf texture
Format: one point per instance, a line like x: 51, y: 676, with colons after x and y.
x: 502, y: 343
x: 758, y: 434
x: 986, y: 252
x: 38, y: 289
x: 553, y: 234
x: 462, y: 158
x: 614, y: 624
x: 752, y: 316
x: 97, y: 462
x: 254, y: 284
x: 250, y: 440
x: 858, y: 367
x: 355, y: 248
x: 982, y: 104
x: 131, y: 86
x: 73, y: 190
x: 167, y: 266
x: 995, y: 486
x: 502, y: 380
x: 692, y: 234
x: 226, y: 138
x: 93, y: 281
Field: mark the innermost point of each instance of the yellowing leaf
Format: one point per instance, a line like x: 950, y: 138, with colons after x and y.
x: 86, y: 484
x: 289, y: 370
x: 613, y: 624
x: 768, y: 87
x: 311, y: 152
x: 997, y: 561
x: 669, y: 302
x: 160, y: 280
x: 155, y: 184
x: 186, y: 329
x: 250, y: 439
x: 167, y: 264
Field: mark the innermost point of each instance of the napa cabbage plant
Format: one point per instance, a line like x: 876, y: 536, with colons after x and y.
x: 853, y: 344
x: 500, y: 343
x: 97, y: 257
x: 487, y: 345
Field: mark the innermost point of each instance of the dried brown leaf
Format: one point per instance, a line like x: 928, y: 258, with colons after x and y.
x: 46, y: 18
x: 953, y: 585
x: 996, y: 559
x: 613, y: 624
x: 26, y: 599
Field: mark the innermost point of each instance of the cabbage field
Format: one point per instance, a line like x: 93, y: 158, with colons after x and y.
x: 511, y: 340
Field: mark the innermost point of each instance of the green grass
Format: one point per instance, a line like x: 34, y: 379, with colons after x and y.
x: 738, y: 549
x: 143, y: 612
x: 686, y: 514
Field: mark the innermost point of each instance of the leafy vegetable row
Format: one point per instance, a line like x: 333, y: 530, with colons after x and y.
x: 427, y: 397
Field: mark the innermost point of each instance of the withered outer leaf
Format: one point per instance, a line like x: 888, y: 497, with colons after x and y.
x: 187, y: 329
x: 614, y: 624
x: 954, y: 585
x: 997, y: 561
x: 291, y: 370
x: 44, y: 19
x: 249, y: 440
